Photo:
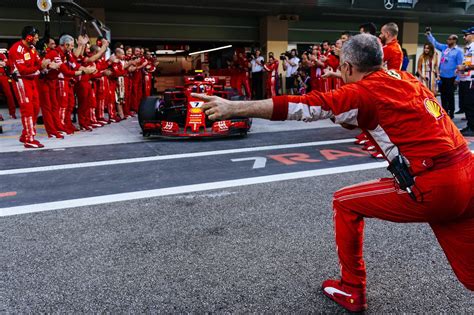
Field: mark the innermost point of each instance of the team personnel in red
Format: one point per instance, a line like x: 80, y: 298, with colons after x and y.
x: 392, y: 52
x: 5, y: 86
x: 416, y: 136
x: 47, y: 96
x: 137, y: 79
x: 117, y: 79
x: 271, y: 67
x: 57, y: 84
x: 127, y: 111
x: 243, y: 66
x: 148, y: 73
x: 26, y: 65
x: 333, y: 63
x: 84, y: 92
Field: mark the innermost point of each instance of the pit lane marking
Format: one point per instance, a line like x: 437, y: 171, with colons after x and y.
x: 90, y: 201
x: 169, y: 157
x: 7, y: 194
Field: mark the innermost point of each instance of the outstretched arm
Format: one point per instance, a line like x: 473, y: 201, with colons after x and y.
x: 217, y: 108
x: 343, y: 105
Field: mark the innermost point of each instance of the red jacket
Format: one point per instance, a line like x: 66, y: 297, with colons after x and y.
x: 117, y: 70
x: 64, y: 71
x: 3, y: 58
x: 25, y: 59
x: 397, y: 111
x: 393, y: 55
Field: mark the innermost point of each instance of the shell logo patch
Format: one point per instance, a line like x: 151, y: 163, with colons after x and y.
x: 434, y: 108
x: 195, y: 110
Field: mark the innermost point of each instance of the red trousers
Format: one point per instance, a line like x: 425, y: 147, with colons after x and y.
x: 147, y: 80
x: 100, y: 98
x: 26, y: 92
x: 320, y: 84
x: 66, y: 101
x: 50, y: 107
x: 7, y: 91
x: 448, y: 206
x: 137, y: 92
x: 84, y: 96
x: 127, y: 99
x: 111, y: 100
x: 243, y: 80
x: 270, y: 86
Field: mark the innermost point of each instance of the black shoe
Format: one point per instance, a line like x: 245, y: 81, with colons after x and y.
x: 459, y: 112
x: 467, y: 132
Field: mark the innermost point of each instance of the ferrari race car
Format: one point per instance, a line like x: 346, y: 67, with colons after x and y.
x: 178, y: 114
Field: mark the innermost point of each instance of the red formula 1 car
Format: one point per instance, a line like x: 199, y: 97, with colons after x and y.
x: 178, y: 114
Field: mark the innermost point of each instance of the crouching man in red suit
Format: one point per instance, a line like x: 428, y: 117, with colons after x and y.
x: 427, y: 154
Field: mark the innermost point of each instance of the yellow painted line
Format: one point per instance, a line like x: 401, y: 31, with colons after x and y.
x: 18, y: 135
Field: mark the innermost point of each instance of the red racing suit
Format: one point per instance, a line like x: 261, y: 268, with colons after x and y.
x: 6, y: 88
x: 317, y: 82
x: 243, y: 77
x: 128, y: 90
x: 137, y: 86
x: 25, y: 61
x: 272, y: 78
x: 55, y: 93
x: 117, y: 80
x: 85, y: 96
x: 393, y: 55
x: 333, y: 62
x: 399, y: 115
x: 148, y: 77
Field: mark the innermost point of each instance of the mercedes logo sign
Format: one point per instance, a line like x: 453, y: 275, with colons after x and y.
x: 389, y: 4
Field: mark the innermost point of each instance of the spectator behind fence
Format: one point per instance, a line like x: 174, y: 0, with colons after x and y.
x: 291, y: 67
x: 451, y: 57
x: 427, y: 68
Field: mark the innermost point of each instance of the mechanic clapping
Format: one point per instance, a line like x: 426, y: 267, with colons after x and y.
x: 431, y: 164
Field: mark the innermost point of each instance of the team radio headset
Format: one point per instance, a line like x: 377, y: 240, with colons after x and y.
x: 29, y: 33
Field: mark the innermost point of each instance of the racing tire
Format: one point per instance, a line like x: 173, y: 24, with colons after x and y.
x: 147, y: 110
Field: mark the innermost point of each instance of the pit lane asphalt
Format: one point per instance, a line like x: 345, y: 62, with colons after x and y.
x: 260, y: 248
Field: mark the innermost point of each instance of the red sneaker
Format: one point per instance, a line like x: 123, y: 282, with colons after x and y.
x: 361, y: 136
x: 22, y: 139
x: 368, y: 146
x: 35, y: 144
x: 377, y: 155
x: 352, y: 299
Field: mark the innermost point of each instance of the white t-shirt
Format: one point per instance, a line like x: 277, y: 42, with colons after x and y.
x: 255, y: 66
x: 291, y: 70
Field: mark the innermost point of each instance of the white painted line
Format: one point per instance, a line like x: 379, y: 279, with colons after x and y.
x: 66, y: 204
x: 167, y: 157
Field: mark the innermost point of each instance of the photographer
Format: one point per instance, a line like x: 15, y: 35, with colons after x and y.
x: 257, y: 63
x: 290, y: 65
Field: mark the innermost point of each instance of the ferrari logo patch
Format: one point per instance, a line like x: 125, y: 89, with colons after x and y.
x: 434, y: 108
x: 196, y: 104
x: 27, y: 56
